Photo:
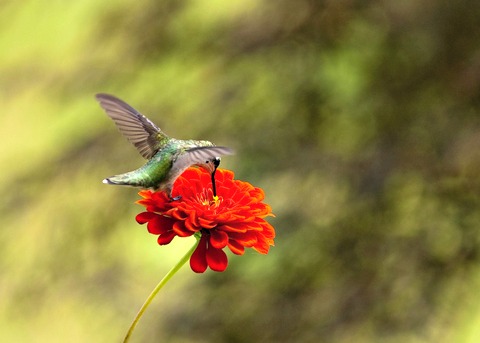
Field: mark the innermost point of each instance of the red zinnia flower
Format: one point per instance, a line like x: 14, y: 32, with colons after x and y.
x: 233, y: 219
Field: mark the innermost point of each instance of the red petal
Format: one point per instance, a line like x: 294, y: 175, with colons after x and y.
x: 181, y: 230
x: 268, y: 230
x: 159, y: 224
x: 166, y: 237
x: 145, y: 193
x: 189, y: 226
x: 254, y: 226
x: 205, y: 223
x: 218, y: 239
x: 236, y: 247
x: 144, y: 202
x: 180, y: 215
x: 234, y: 227
x: 263, y: 244
x: 198, y: 261
x: 154, y: 208
x: 193, y: 218
x: 262, y: 247
x: 247, y: 239
x: 216, y: 259
x: 144, y: 217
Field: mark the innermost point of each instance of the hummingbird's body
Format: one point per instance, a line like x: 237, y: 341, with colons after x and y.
x: 167, y: 157
x: 160, y: 169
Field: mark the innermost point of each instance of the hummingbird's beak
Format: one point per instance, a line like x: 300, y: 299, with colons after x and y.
x: 215, y: 163
x: 211, y: 167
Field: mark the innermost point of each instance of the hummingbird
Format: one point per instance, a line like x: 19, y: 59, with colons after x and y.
x: 167, y: 157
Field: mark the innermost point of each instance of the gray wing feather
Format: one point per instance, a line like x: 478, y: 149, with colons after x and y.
x: 200, y: 155
x: 137, y: 128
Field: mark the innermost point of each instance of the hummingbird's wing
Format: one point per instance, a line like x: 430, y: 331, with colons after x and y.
x: 201, y: 155
x: 138, y: 129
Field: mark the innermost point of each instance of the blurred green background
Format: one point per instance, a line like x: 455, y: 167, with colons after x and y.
x: 359, y: 119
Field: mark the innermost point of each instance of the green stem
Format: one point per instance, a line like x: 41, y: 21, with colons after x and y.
x: 162, y: 283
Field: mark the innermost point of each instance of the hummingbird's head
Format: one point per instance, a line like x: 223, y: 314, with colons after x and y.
x: 211, y: 165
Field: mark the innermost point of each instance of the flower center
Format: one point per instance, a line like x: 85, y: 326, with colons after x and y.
x: 205, y: 200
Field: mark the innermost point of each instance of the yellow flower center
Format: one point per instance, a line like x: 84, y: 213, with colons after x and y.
x: 203, y: 199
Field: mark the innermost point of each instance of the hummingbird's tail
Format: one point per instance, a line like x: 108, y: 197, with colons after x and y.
x: 108, y: 181
x: 127, y: 179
